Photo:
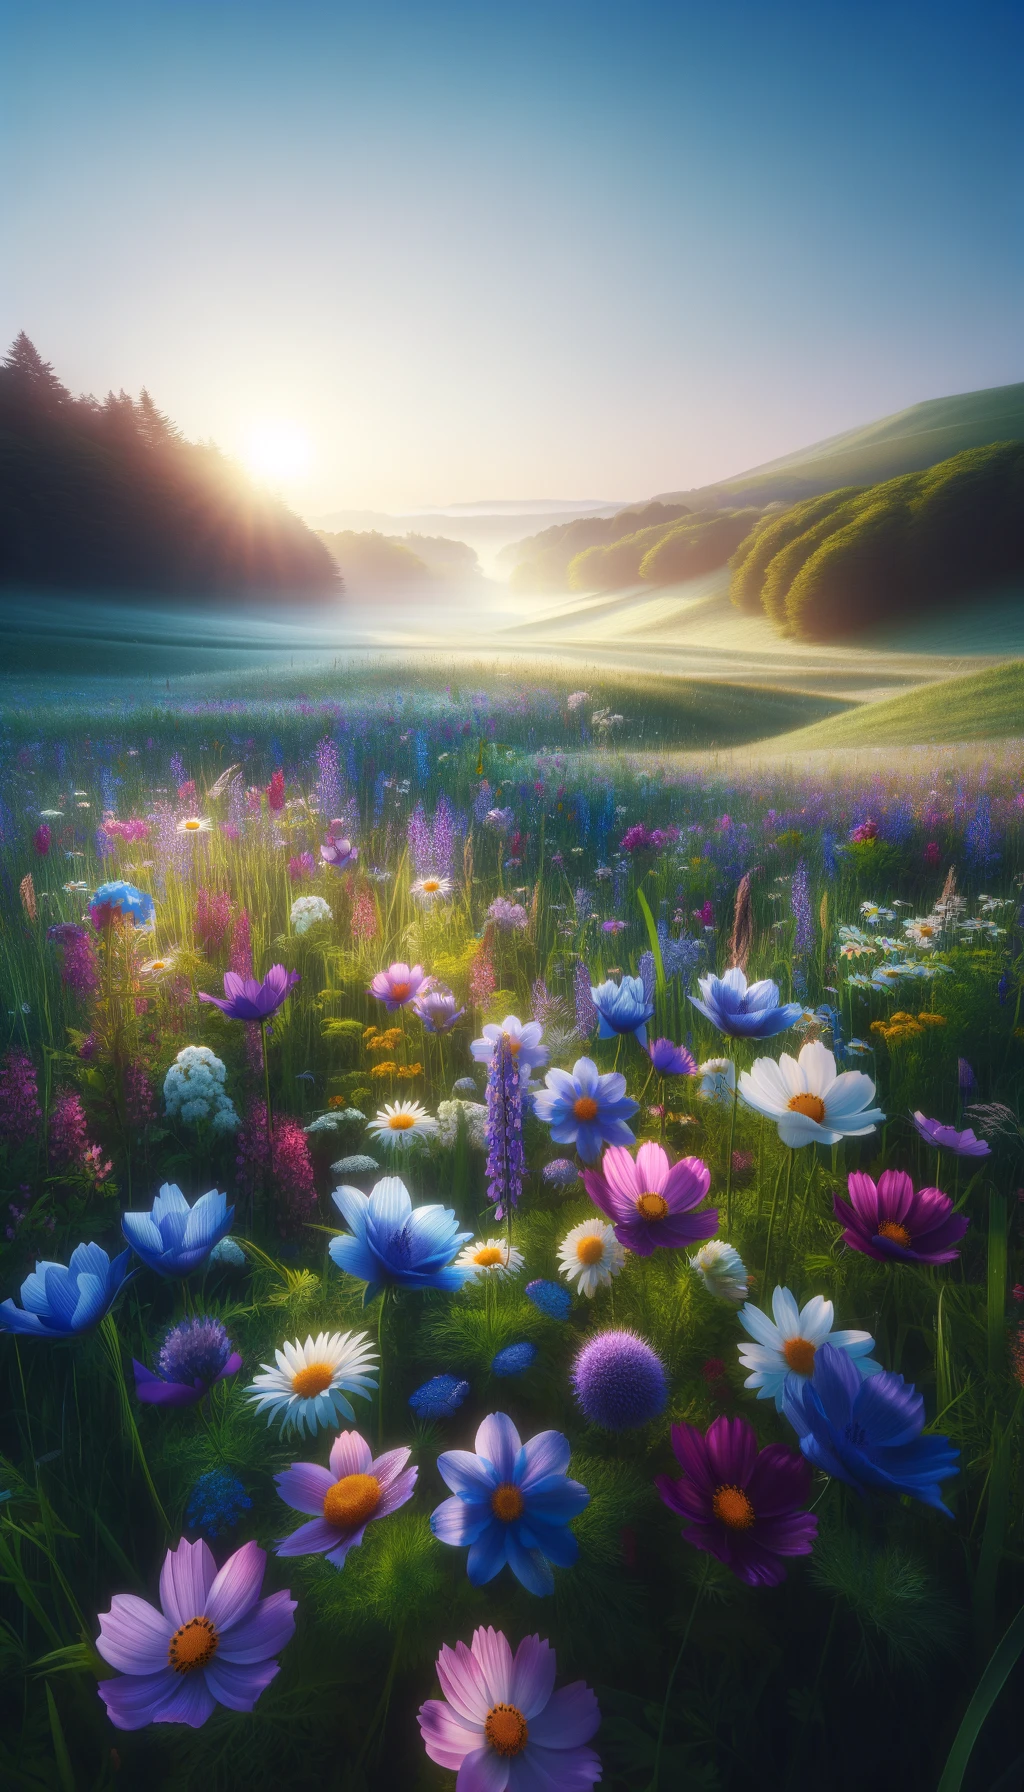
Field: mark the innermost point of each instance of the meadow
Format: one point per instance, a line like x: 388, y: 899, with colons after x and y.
x: 495, y: 895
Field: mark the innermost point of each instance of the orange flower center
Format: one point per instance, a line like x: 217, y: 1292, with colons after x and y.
x: 488, y: 1256
x: 507, y: 1503
x: 512, y: 1043
x: 585, y: 1107
x: 590, y: 1250
x: 192, y: 1646
x: 401, y: 1122
x: 192, y: 826
x: 399, y: 991
x: 799, y: 1354
x: 430, y: 884
x: 352, y: 1500
x: 505, y: 1729
x: 731, y: 1506
x: 811, y: 1105
x: 651, y: 1206
x: 312, y: 1379
x: 897, y: 1233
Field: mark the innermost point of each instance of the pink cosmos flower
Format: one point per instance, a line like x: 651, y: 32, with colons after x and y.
x: 396, y: 986
x: 501, y: 1724
x: 344, y: 1498
x: 650, y: 1201
x: 889, y: 1221
x: 212, y: 1642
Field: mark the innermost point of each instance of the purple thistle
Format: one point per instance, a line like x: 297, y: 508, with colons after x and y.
x: 586, y: 1014
x: 195, y: 1349
x: 504, y: 1130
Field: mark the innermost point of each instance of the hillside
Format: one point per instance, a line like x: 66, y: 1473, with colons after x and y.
x: 368, y: 559
x: 540, y: 563
x: 985, y: 705
x: 110, y: 497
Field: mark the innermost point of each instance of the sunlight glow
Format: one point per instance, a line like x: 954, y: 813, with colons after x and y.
x: 277, y: 451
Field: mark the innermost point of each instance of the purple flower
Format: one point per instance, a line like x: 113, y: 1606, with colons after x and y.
x: 212, y: 1642
x: 397, y: 986
x: 619, y: 1381
x: 195, y: 1355
x: 947, y: 1138
x: 560, y: 1172
x: 651, y: 1202
x: 500, y: 1724
x: 438, y: 1009
x: 508, y: 917
x: 671, y: 1060
x: 343, y: 1499
x: 338, y: 852
x: 743, y: 1011
x: 585, y: 1109
x: 741, y: 1504
x: 512, y: 1503
x: 505, y: 1160
x: 889, y: 1222
x: 246, y: 999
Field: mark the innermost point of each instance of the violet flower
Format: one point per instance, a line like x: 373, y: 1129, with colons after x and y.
x: 339, y: 853
x: 505, y: 1159
x: 246, y: 999
x: 397, y: 986
x: 743, y: 1505
x: 650, y: 1202
x: 195, y: 1355
x: 947, y: 1138
x: 671, y: 1060
x: 892, y: 1223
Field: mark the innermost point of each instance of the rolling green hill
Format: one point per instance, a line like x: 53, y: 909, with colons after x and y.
x: 983, y: 706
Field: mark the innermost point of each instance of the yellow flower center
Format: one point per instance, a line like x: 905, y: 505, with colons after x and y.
x: 192, y: 827
x: 810, y: 1105
x: 192, y: 1646
x: 312, y: 1379
x: 488, y: 1256
x: 731, y: 1506
x: 506, y: 1730
x: 893, y: 1230
x: 799, y: 1355
x: 401, y: 1122
x: 507, y: 1503
x: 651, y: 1206
x: 430, y: 886
x: 590, y: 1250
x: 585, y: 1107
x: 352, y: 1500
x: 925, y: 931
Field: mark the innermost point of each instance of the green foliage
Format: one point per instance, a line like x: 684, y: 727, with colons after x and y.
x: 696, y: 545
x: 902, y: 1619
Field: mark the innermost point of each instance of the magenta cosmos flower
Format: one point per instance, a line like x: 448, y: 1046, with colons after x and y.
x: 397, y: 986
x: 650, y: 1201
x: 212, y: 1642
x: 742, y: 1505
x: 246, y: 999
x: 889, y: 1221
x: 344, y: 1498
x: 947, y: 1138
x: 501, y: 1724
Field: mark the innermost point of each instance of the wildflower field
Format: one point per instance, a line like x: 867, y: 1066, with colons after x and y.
x: 510, y: 1245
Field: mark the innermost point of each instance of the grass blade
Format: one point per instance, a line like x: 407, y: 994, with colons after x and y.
x: 985, y: 1695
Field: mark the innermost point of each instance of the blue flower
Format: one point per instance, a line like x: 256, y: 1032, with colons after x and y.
x: 391, y: 1241
x: 622, y: 1008
x: 123, y: 899
x: 550, y: 1299
x: 58, y: 1302
x: 512, y: 1503
x: 515, y: 1359
x: 867, y: 1432
x: 216, y: 1503
x: 560, y: 1172
x: 745, y: 1012
x: 439, y: 1397
x: 586, y: 1109
x: 174, y: 1238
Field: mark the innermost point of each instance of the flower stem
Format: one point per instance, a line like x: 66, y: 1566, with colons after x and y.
x: 380, y: 1367
x: 728, y: 1177
x: 672, y: 1677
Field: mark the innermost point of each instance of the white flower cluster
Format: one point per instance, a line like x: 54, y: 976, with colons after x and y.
x: 448, y: 1123
x: 194, y: 1090
x: 306, y: 910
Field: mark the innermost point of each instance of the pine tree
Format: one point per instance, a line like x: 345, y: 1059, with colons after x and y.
x: 26, y: 376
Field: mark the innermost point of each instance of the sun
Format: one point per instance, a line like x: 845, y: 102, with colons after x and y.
x: 277, y: 451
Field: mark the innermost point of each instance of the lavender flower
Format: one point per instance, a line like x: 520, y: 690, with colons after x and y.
x: 587, y: 1016
x: 505, y: 1160
x: 800, y: 902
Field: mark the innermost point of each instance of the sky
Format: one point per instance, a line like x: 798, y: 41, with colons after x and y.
x: 401, y: 255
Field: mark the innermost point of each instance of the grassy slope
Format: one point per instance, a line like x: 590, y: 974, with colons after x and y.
x: 983, y: 706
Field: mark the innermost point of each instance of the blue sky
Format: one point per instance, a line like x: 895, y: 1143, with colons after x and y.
x: 551, y: 250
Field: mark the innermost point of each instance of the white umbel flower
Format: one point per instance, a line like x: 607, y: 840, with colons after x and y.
x: 430, y: 889
x: 492, y: 1259
x: 790, y: 1345
x: 194, y: 1090
x: 474, y: 1115
x: 307, y: 1388
x: 307, y: 910
x: 717, y: 1080
x: 590, y: 1255
x: 721, y: 1269
x: 809, y: 1102
x: 401, y: 1123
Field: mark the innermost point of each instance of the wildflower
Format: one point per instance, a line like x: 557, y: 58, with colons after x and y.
x: 174, y: 1238
x: 585, y: 1109
x: 789, y: 1347
x: 500, y: 1725
x: 948, y: 1138
x: 344, y: 1498
x: 427, y: 890
x: 508, y: 917
x: 890, y: 1222
x: 338, y: 853
x: 473, y: 1116
x: 41, y: 840
x: 743, y: 1505
x: 358, y: 1165
x: 492, y: 1260
x: 67, y: 1134
x: 194, y: 1356
x: 721, y: 1269
x: 20, y: 1113
x: 592, y: 1255
x: 195, y: 824
x: 500, y: 820
x: 650, y: 1201
x: 301, y: 867
x: 613, y: 926
x: 622, y: 1008
x: 671, y: 1060
x: 245, y: 998
x: 560, y: 1173
x: 212, y: 1642
x: 743, y: 1011
x: 438, y: 1009
x: 61, y: 1303
x: 216, y: 1503
x: 310, y: 1382
x: 808, y: 1100
x: 153, y: 969
x: 390, y: 1241
x: 512, y: 1503
x: 550, y: 1299
x: 439, y: 1397
x: 618, y: 1381
x: 524, y: 1043
x: 397, y: 986
x: 515, y: 1359
x: 868, y: 1434
x: 401, y: 1123
x: 505, y: 1160
x: 718, y: 1080
x: 194, y: 1089
x: 306, y: 911
x: 124, y: 901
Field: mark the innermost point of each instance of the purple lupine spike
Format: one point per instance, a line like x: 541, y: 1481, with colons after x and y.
x: 800, y: 902
x: 504, y: 1130
x: 586, y: 1014
x: 420, y: 843
x: 443, y: 838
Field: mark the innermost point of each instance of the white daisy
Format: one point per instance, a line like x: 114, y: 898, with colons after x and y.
x: 721, y: 1269
x: 430, y: 889
x: 925, y: 931
x: 195, y: 824
x: 592, y: 1255
x: 492, y: 1259
x: 401, y: 1122
x: 808, y: 1100
x: 154, y: 968
x: 717, y: 1079
x: 790, y: 1345
x: 309, y: 1384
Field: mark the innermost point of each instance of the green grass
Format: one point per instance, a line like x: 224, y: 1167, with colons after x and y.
x: 983, y: 706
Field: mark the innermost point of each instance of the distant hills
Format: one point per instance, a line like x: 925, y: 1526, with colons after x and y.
x: 110, y: 497
x: 368, y: 560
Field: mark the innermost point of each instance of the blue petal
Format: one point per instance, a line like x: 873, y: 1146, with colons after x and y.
x: 487, y: 1555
